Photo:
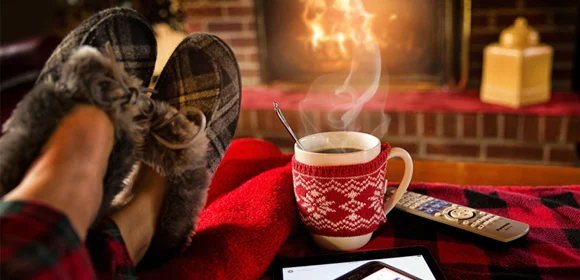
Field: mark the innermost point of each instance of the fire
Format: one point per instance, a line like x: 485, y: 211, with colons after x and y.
x: 336, y: 23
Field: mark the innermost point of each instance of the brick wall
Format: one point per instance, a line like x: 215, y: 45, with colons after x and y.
x: 473, y: 137
x: 555, y: 20
x: 432, y: 136
x: 234, y: 22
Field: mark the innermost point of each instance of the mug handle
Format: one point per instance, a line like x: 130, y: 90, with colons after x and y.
x: 404, y: 155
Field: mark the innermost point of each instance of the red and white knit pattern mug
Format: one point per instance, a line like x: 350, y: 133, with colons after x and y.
x: 340, y: 196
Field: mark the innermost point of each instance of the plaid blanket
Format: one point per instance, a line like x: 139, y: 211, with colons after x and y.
x: 251, y: 219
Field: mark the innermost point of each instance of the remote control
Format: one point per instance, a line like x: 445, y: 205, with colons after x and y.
x: 479, y: 222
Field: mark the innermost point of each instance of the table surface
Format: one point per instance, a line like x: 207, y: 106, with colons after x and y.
x: 471, y: 174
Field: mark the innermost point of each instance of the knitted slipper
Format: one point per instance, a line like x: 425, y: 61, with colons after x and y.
x: 177, y: 148
x: 203, y: 72
x: 133, y: 41
x: 88, y: 77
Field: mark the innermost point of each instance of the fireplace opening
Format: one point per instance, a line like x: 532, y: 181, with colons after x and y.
x: 422, y: 43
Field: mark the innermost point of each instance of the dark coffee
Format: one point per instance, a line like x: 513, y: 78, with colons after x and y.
x: 338, y: 151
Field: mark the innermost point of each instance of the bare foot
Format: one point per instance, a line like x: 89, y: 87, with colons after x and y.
x: 137, y: 220
x: 68, y: 175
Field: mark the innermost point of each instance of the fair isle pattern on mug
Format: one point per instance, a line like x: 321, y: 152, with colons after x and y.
x: 341, y: 201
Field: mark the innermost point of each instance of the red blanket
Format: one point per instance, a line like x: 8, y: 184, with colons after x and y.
x: 251, y: 218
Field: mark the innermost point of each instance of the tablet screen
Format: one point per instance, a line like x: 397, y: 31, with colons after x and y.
x: 414, y: 265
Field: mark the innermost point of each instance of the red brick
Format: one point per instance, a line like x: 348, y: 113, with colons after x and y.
x: 563, y: 55
x: 410, y: 147
x: 563, y: 155
x: 531, y: 128
x: 245, y: 42
x: 490, y: 125
x: 574, y: 129
x: 307, y: 126
x: 461, y: 150
x: 217, y: 27
x: 469, y: 125
x: 411, y: 123
x: 250, y: 73
x: 450, y: 125
x: 251, y: 26
x: 240, y: 11
x: 244, y: 122
x: 561, y: 74
x: 193, y: 27
x: 253, y: 57
x: 564, y: 19
x: 291, y: 116
x: 533, y: 19
x: 379, y: 123
x: 393, y: 124
x: 510, y: 127
x: 204, y: 11
x: 492, y: 4
x: 559, y: 36
x: 429, y: 124
x: 552, y: 128
x: 280, y: 142
x: 484, y: 38
x: 265, y: 118
x: 479, y: 20
x: 550, y: 3
x: 515, y: 152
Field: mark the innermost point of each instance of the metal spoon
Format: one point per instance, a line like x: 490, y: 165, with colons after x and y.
x: 287, y: 126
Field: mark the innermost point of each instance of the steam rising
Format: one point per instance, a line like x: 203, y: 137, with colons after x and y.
x: 345, y: 94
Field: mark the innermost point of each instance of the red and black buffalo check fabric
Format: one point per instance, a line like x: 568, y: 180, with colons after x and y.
x: 551, y: 250
x: 39, y: 242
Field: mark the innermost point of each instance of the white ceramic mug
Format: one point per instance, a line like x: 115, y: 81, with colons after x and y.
x: 368, y: 149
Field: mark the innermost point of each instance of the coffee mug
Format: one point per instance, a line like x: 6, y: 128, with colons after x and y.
x: 340, y: 184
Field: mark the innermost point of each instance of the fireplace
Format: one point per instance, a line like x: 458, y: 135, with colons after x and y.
x: 422, y: 43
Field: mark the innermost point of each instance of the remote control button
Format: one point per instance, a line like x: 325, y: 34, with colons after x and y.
x: 481, y: 213
x: 474, y: 224
x: 430, y: 211
x: 481, y: 227
x: 430, y: 198
x: 461, y: 213
x: 454, y: 205
x: 437, y: 214
x: 487, y: 222
x: 466, y: 222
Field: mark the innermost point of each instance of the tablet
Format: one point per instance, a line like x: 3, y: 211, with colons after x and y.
x: 399, y: 263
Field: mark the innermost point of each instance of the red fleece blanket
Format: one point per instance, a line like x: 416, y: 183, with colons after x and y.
x: 251, y: 219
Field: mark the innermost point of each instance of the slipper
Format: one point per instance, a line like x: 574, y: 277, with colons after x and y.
x: 88, y: 77
x: 134, y: 47
x: 131, y: 36
x: 202, y: 75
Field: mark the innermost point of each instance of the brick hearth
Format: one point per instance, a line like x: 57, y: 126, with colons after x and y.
x: 235, y: 22
x: 476, y: 137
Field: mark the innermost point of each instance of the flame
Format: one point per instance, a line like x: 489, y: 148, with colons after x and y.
x: 336, y: 23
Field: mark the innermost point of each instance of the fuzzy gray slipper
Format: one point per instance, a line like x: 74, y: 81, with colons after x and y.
x: 177, y: 148
x: 88, y: 77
